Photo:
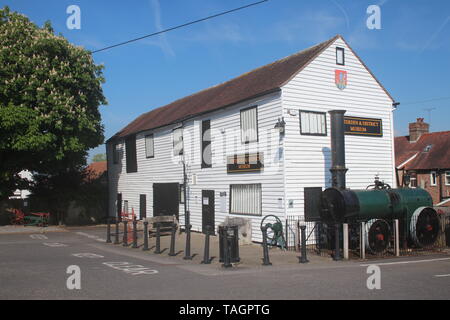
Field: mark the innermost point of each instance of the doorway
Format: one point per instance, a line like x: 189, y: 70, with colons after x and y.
x: 208, y: 210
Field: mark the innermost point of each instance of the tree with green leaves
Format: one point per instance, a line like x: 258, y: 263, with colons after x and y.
x: 50, y: 93
x: 99, y: 157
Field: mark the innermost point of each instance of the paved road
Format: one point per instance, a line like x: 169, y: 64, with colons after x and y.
x: 35, y: 267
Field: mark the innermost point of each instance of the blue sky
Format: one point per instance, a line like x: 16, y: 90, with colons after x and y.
x: 410, y: 55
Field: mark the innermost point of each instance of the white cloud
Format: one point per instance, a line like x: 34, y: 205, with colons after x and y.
x: 163, y: 43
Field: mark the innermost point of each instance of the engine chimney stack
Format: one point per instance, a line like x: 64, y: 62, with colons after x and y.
x: 338, y: 169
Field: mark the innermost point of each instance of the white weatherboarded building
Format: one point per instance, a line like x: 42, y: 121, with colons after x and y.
x: 238, y: 162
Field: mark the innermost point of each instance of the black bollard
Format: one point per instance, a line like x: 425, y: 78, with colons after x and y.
x: 145, y: 248
x: 303, y: 258
x: 187, y: 255
x: 226, y: 249
x: 206, y: 259
x: 172, y: 240
x: 266, y: 261
x: 108, y: 231
x: 135, y: 245
x: 125, y: 233
x: 337, y: 252
x: 158, y: 239
x: 116, y: 238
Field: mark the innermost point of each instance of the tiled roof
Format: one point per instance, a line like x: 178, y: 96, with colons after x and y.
x: 96, y: 169
x: 432, y: 150
x: 252, y: 84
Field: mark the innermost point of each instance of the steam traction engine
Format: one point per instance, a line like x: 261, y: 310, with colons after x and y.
x: 378, y: 206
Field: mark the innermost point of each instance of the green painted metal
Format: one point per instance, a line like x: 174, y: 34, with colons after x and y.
x: 391, y: 203
x: 373, y: 204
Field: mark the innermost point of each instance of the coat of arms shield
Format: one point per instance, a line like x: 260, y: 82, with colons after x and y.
x: 341, y: 79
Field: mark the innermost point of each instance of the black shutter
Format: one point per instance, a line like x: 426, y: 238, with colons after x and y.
x: 130, y: 146
x: 119, y: 206
x: 142, y: 206
x: 206, y: 144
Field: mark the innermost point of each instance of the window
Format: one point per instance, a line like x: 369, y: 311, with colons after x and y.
x: 447, y: 178
x: 249, y: 125
x: 130, y: 149
x: 313, y: 123
x: 206, y: 144
x: 245, y: 199
x: 149, y: 146
x: 433, y: 178
x: 115, y: 153
x: 178, y: 141
x: 413, y: 176
x: 340, y: 56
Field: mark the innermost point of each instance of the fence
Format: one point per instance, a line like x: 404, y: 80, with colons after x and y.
x: 374, y: 238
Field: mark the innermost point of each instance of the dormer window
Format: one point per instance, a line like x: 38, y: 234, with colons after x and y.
x: 340, y: 58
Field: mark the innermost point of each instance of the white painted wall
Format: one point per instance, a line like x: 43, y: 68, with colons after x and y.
x: 226, y: 141
x: 308, y: 158
x: 303, y: 161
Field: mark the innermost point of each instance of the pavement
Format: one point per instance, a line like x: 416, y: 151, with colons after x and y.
x: 40, y: 265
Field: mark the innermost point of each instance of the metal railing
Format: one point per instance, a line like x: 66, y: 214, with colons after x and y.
x: 373, y: 238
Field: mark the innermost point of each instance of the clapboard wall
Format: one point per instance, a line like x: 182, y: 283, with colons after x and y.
x: 226, y: 141
x: 291, y: 163
x: 308, y: 158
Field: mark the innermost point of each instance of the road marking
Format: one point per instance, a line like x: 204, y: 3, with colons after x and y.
x: 442, y: 275
x: 129, y: 268
x: 54, y: 244
x: 87, y: 255
x: 404, y: 262
x: 38, y: 237
x: 91, y: 236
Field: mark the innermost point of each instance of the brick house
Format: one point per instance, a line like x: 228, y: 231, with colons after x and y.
x: 424, y: 158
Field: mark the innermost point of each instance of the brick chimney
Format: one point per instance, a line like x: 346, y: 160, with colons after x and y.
x: 417, y: 129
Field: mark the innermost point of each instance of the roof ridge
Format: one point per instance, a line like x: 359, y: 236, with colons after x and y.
x: 246, y: 73
x: 259, y: 81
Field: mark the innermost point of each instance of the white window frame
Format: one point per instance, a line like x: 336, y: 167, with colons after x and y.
x: 248, y: 134
x: 433, y: 178
x: 313, y: 126
x: 415, y: 179
x: 149, y: 154
x: 340, y: 51
x: 447, y: 178
x: 247, y: 206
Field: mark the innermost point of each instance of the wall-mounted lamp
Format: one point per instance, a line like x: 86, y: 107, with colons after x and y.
x: 395, y: 105
x: 280, y: 125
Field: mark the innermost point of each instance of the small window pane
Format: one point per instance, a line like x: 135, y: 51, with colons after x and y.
x: 313, y: 123
x: 246, y: 199
x: 340, y: 56
x: 433, y: 178
x: 149, y: 146
x: 249, y: 125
